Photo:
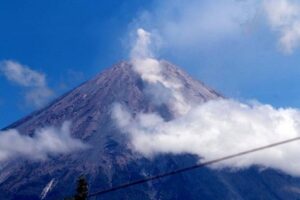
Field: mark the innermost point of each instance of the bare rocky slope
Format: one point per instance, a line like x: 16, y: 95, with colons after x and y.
x: 110, y: 161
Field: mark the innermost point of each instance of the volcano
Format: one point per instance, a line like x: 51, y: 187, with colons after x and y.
x: 110, y: 161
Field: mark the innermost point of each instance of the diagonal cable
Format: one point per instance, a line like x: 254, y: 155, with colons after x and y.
x: 200, y: 165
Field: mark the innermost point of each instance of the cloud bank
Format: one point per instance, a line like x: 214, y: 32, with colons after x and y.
x: 216, y: 129
x: 210, y: 130
x: 49, y: 141
x: 37, y: 92
x: 193, y: 23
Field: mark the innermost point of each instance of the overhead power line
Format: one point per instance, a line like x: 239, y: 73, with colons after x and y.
x: 200, y: 165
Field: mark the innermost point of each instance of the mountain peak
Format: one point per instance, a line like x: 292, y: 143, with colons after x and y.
x: 88, y: 107
x: 119, y: 83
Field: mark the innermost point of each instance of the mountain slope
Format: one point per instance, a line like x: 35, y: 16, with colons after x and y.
x: 110, y: 161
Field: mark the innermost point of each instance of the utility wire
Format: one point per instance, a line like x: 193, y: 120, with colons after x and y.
x: 200, y: 165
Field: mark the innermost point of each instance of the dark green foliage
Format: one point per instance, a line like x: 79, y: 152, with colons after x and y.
x: 82, y: 189
x: 69, y: 198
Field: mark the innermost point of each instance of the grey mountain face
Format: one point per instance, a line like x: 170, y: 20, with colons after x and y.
x: 110, y: 161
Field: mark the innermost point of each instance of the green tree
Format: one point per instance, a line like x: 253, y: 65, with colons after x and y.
x: 82, y: 189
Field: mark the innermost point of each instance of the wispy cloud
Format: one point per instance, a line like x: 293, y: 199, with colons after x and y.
x: 49, y: 141
x: 37, y: 91
x: 192, y: 23
x: 284, y: 17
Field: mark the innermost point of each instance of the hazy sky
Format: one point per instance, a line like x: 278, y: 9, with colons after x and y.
x: 243, y: 49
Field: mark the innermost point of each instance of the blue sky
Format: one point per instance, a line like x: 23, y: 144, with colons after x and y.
x: 235, y: 50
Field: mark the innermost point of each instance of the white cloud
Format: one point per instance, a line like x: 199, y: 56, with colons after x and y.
x: 21, y: 74
x: 219, y: 128
x: 49, y: 141
x: 284, y: 17
x: 37, y: 91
